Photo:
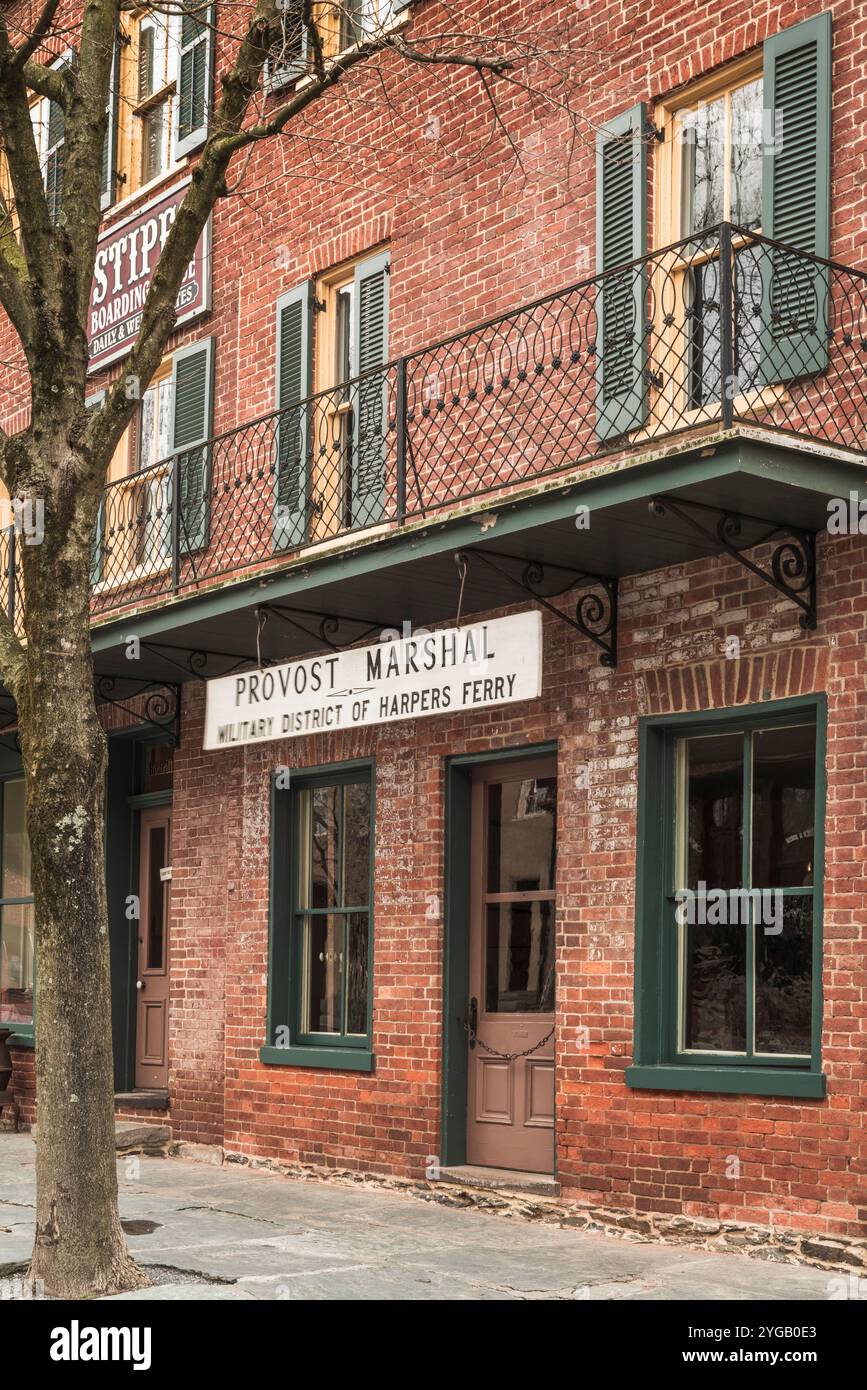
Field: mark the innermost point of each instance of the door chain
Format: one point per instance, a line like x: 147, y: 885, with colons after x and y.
x: 474, y: 1038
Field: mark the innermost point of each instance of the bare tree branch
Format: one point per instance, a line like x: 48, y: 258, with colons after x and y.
x: 39, y: 31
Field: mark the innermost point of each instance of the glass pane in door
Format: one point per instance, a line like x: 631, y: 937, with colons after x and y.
x: 155, y: 925
x: 522, y: 835
x: 519, y: 957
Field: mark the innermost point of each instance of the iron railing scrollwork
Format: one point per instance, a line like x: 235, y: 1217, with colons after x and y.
x: 725, y: 328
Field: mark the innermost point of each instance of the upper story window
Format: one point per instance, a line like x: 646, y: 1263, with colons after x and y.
x: 693, y: 327
x: 173, y: 418
x: 155, y: 74
x: 333, y: 432
x: 148, y: 65
x: 49, y: 135
x: 721, y: 161
x: 340, y: 26
x: 49, y: 123
x: 159, y: 95
x: 152, y: 430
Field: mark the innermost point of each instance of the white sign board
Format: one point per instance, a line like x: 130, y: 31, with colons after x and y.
x: 424, y: 673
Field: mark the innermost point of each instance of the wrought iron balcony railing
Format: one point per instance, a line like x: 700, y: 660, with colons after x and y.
x: 724, y: 328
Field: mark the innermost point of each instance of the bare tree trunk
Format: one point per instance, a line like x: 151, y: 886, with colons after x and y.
x: 80, y: 1247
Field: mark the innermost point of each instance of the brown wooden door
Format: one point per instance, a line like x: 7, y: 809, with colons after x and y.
x: 510, y: 1104
x: 152, y: 983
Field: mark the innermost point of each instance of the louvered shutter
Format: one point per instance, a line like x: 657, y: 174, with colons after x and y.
x: 621, y: 235
x: 192, y: 382
x: 55, y: 119
x: 195, y: 76
x: 796, y: 197
x: 294, y: 386
x: 109, y: 149
x: 370, y: 413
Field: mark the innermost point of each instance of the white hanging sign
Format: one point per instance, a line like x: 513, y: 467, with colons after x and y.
x: 424, y: 673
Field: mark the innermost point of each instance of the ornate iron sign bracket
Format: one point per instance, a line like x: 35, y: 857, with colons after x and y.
x: 595, y: 611
x: 161, y: 709
x: 792, y: 570
x: 327, y: 630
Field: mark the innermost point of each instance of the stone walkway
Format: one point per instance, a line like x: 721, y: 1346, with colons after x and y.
x: 240, y: 1233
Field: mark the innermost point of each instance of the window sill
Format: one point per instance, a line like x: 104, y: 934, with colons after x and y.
x: 132, y: 576
x: 330, y: 1058
x: 144, y: 190
x: 22, y: 1039
x: 744, y: 1081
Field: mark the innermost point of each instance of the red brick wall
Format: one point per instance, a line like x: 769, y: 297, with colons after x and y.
x: 23, y: 1087
x: 801, y: 1162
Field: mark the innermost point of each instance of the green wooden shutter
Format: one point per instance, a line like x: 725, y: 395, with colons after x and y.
x: 294, y: 387
x: 796, y: 199
x: 621, y: 236
x: 109, y: 149
x: 55, y: 118
x: 195, y: 76
x: 192, y: 381
x: 96, y: 551
x: 370, y: 414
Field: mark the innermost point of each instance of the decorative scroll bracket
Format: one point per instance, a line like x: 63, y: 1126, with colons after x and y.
x: 328, y: 628
x: 596, y: 609
x: 792, y: 569
x: 161, y: 709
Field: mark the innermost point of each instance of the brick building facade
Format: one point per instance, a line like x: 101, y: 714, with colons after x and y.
x: 678, y: 523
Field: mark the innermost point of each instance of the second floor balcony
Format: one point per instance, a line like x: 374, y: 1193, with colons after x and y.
x: 725, y: 331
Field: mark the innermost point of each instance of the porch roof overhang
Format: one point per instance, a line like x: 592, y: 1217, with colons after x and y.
x: 383, y: 581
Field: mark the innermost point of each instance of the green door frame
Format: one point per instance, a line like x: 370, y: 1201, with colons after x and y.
x: 456, y: 938
x: 125, y: 763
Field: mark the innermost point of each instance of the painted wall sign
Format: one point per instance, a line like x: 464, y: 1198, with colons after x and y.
x: 426, y: 673
x: 126, y: 257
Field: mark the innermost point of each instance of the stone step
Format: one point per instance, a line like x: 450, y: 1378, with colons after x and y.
x: 132, y: 1137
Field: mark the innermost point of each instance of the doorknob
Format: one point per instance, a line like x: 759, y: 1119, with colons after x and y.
x: 139, y: 984
x: 473, y: 1021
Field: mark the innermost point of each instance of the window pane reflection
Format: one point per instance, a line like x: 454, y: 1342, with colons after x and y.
x: 522, y: 831
x: 16, y: 850
x: 704, y: 166
x: 745, y: 156
x: 714, y: 775
x: 16, y: 963
x: 336, y: 964
x: 715, y: 1014
x: 324, y: 970
x: 784, y: 981
x: 519, y: 957
x: 784, y: 776
x: 356, y: 844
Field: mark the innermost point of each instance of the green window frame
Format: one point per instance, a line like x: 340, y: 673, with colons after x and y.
x: 22, y: 1029
x: 662, y: 1059
x: 320, y: 933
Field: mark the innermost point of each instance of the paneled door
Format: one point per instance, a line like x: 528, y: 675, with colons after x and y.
x: 510, y: 1103
x: 152, y: 983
